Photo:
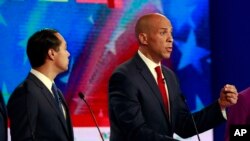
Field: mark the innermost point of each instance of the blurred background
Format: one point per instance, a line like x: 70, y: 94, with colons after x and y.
x: 210, y: 49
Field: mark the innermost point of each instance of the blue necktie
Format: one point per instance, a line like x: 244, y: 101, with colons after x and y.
x: 57, y: 97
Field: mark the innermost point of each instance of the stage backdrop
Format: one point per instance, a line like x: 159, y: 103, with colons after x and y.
x: 100, y: 36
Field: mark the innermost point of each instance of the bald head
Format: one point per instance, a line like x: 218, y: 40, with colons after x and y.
x: 154, y: 35
x: 148, y: 22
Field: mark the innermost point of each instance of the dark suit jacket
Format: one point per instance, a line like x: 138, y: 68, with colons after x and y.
x: 137, y: 111
x: 3, y: 120
x: 34, y: 115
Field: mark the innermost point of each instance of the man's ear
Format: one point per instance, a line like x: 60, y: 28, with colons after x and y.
x: 51, y: 54
x: 143, y: 38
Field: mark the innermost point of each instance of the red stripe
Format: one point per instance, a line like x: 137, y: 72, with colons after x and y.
x: 111, y: 3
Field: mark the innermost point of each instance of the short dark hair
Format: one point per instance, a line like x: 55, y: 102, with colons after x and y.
x: 39, y: 44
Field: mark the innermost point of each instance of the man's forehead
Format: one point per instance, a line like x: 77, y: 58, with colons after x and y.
x: 167, y: 28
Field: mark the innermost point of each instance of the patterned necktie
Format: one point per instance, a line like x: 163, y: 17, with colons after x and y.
x: 57, y: 97
x: 161, y: 85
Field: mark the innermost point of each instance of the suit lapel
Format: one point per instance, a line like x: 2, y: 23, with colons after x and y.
x: 146, y: 74
x: 68, y: 120
x: 173, y: 92
x: 50, y: 100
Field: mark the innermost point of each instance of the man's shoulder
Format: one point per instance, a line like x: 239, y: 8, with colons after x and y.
x: 28, y: 84
x: 167, y: 70
x: 125, y: 66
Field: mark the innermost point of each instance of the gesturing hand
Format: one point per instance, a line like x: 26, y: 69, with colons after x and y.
x: 228, y: 96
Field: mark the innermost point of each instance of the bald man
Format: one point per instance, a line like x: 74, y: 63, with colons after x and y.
x: 145, y: 101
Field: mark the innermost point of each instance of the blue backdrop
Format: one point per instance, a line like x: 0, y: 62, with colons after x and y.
x: 230, y: 36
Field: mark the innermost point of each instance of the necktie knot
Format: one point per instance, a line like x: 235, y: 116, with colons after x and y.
x: 159, y: 73
x: 158, y: 70
x: 54, y: 89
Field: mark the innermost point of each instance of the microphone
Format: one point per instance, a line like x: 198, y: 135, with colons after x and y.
x: 195, y: 127
x: 82, y: 96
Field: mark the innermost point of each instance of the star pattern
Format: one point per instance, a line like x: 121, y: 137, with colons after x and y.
x: 191, y: 54
x: 181, y: 12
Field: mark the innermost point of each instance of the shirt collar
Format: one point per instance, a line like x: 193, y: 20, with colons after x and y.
x: 45, y: 80
x: 150, y: 64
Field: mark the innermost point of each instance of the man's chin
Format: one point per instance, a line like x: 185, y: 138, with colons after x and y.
x: 167, y: 56
x: 64, y: 70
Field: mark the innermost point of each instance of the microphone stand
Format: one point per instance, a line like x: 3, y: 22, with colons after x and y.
x: 195, y: 127
x: 81, y: 95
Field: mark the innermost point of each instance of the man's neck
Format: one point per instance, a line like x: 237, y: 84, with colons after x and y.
x: 47, y: 72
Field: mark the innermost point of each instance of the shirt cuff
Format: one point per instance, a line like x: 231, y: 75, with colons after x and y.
x: 224, y: 113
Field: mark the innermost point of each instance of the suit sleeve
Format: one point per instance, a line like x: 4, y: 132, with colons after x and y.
x: 22, y: 109
x: 126, y: 111
x: 205, y: 119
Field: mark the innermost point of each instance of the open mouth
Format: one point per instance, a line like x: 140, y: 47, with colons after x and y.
x: 169, y: 49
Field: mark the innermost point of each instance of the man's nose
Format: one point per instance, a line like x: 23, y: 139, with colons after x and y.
x: 170, y: 39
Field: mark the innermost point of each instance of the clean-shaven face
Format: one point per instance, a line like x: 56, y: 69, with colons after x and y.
x: 62, y: 56
x: 160, y: 40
